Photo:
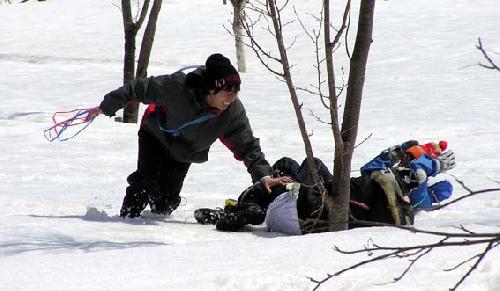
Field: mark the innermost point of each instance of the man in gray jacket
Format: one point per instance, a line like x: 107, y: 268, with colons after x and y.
x: 186, y: 115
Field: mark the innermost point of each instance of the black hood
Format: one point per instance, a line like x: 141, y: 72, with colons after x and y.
x: 197, y: 82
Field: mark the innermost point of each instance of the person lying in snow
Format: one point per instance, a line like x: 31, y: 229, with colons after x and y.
x: 391, y: 186
x: 413, y: 164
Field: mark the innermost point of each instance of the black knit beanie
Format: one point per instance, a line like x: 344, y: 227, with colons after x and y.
x: 220, y: 73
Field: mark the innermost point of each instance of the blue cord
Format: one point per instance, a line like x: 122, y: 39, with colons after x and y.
x: 176, y: 132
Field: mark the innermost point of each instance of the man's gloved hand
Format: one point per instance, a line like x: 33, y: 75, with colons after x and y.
x: 93, y: 112
x: 446, y: 161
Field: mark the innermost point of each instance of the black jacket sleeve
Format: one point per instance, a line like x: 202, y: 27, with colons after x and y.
x: 245, y: 147
x: 147, y: 90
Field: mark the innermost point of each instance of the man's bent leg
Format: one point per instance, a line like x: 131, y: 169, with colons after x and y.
x: 144, y: 179
x: 166, y: 198
x: 388, y: 183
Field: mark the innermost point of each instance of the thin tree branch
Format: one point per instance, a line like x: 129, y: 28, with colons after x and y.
x: 258, y: 50
x: 495, y: 181
x: 319, y: 119
x: 466, y: 234
x: 461, y: 183
x: 364, y: 140
x: 416, y: 252
x: 474, y: 267
x: 492, y: 64
x: 314, y: 37
x: 438, y: 207
x: 344, y: 21
x: 144, y: 13
x: 346, y: 35
x: 412, y: 262
x: 462, y: 263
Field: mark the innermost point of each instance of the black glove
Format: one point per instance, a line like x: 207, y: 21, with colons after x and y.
x: 446, y: 161
x: 408, y: 144
x: 396, y: 152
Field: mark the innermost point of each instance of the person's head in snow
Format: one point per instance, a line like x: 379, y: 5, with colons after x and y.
x: 187, y: 113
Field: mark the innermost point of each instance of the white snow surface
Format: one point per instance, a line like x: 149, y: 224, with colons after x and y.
x: 59, y: 202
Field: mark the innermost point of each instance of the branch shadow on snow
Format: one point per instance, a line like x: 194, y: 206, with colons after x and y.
x: 117, y: 219
x: 95, y: 215
x: 56, y: 243
x: 148, y: 218
x: 18, y: 115
x: 262, y: 231
x: 51, y: 59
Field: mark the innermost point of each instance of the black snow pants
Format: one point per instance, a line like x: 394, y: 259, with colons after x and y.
x: 157, y: 181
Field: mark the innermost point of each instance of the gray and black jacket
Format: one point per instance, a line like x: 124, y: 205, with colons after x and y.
x: 173, y: 106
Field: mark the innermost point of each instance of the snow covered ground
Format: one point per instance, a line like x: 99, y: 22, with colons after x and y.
x: 59, y: 201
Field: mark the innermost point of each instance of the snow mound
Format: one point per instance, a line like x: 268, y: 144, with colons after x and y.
x: 94, y: 214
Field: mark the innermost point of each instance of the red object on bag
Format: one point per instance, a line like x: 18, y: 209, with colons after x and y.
x: 431, y: 149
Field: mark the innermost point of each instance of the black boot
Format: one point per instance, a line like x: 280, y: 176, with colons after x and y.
x: 229, y: 222
x: 162, y: 205
x: 208, y: 216
x: 134, y: 202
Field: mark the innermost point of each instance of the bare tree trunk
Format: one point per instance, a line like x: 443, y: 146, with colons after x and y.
x: 130, y: 30
x: 148, y: 39
x: 131, y: 111
x: 339, y: 213
x: 336, y: 207
x: 238, y: 11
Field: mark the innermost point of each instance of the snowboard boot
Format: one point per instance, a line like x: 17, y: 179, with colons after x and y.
x: 134, y: 202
